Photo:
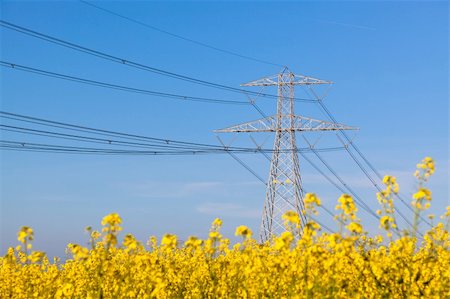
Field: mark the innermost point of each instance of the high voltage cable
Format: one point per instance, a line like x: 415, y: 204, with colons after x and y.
x: 379, y: 189
x: 23, y: 146
x: 132, y: 63
x: 120, y: 143
x: 20, y: 145
x: 180, y: 36
x: 113, y: 142
x: 357, y: 198
x: 304, y: 156
x: 104, y: 132
x: 86, y: 138
x: 350, y: 190
x: 331, y: 117
x: 249, y: 169
x: 367, y: 209
x: 119, y: 87
x: 264, y: 182
x: 144, y: 142
x: 353, y: 145
x: 29, y: 145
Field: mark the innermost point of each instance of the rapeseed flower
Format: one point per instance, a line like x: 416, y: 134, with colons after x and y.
x: 297, y: 263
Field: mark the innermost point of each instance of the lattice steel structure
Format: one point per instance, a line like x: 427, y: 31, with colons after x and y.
x: 284, y: 186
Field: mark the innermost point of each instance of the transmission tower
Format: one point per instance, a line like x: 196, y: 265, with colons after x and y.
x: 284, y: 185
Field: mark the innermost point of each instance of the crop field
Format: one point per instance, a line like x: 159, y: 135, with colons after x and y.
x: 300, y: 263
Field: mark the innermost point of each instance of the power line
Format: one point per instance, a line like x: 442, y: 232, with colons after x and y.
x: 137, y: 65
x: 120, y: 139
x: 119, y: 87
x: 376, y: 186
x: 113, y: 142
x: 180, y: 36
x: 355, y: 147
x: 50, y: 148
x: 85, y: 138
x: 331, y: 117
x: 260, y: 111
x: 52, y: 123
x: 249, y: 169
x: 350, y: 190
x: 357, y: 198
x: 326, y: 210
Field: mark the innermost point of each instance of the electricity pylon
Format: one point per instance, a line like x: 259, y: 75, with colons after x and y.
x: 284, y: 185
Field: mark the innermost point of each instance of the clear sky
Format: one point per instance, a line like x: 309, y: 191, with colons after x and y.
x: 388, y: 59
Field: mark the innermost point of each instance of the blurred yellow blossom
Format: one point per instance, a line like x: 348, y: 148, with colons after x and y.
x: 244, y: 231
x: 300, y: 263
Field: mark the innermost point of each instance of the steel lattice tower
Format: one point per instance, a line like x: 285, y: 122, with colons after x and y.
x: 284, y: 185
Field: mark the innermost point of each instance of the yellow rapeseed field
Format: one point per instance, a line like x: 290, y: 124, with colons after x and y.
x: 309, y: 264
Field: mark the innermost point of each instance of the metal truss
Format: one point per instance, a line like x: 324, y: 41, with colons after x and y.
x: 300, y: 123
x: 284, y: 187
x: 292, y: 80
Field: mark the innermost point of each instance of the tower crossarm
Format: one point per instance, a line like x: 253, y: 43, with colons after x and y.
x: 300, y: 123
x: 296, y: 80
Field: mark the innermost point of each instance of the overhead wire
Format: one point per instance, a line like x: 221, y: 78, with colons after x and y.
x: 120, y: 139
x: 304, y: 156
x: 130, y: 63
x: 84, y: 138
x: 379, y: 189
x: 119, y: 87
x: 357, y: 198
x: 21, y: 146
x: 152, y: 27
x: 52, y: 123
x: 113, y: 142
x: 249, y: 169
x: 355, y: 147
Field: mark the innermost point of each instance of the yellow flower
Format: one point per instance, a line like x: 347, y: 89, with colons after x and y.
x: 310, y: 229
x: 95, y: 235
x: 291, y: 217
x: 193, y: 242
x: 312, y: 198
x: 387, y: 222
x: 169, y: 241
x: 112, y: 219
x: 36, y: 256
x: 130, y: 242
x: 346, y: 204
x: 79, y: 252
x: 244, y: 231
x: 215, y: 235
x: 217, y: 222
x: 25, y: 233
x: 355, y: 227
x: 284, y: 241
x: 422, y: 193
x: 294, y: 264
x: 425, y: 169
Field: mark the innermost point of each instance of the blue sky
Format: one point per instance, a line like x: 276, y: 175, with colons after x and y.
x: 389, y: 62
